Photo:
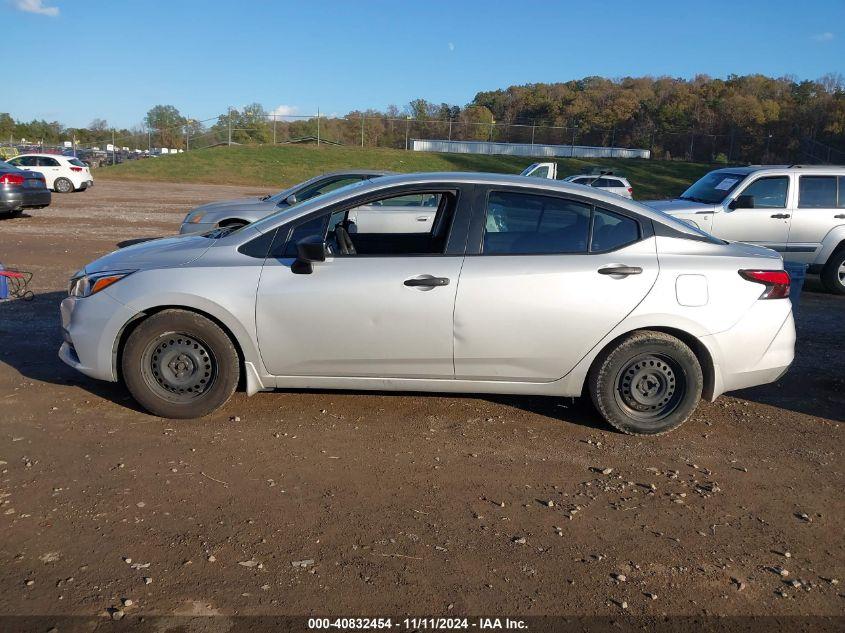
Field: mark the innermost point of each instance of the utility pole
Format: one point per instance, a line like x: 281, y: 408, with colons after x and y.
x: 407, y: 123
x: 533, y: 127
x: 230, y: 126
x: 274, y: 129
x: 362, y: 130
x: 492, y: 123
x: 572, y: 147
x: 113, y: 148
x: 450, y: 128
x: 318, y: 126
x: 149, y: 141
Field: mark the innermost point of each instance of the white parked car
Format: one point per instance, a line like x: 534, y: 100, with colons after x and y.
x: 797, y: 210
x: 63, y: 174
x: 606, y: 181
x: 517, y: 286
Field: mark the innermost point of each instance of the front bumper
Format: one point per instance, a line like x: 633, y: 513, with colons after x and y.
x: 90, y: 329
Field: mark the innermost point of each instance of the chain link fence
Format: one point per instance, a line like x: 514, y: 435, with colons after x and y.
x: 398, y: 132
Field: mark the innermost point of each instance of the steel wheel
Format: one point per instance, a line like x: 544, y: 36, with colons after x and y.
x: 650, y: 387
x: 178, y: 367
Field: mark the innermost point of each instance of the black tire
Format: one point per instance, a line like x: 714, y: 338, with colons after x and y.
x: 178, y: 364
x: 833, y: 273
x: 647, y: 384
x: 62, y: 185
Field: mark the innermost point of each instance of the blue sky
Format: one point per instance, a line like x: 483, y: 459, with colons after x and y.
x: 113, y: 59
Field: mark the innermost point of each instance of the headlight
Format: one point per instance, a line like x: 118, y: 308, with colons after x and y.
x: 87, y: 285
x: 196, y: 217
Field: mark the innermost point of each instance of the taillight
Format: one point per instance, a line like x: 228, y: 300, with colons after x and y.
x: 776, y: 282
x: 12, y: 179
x: 630, y: 190
x: 76, y: 168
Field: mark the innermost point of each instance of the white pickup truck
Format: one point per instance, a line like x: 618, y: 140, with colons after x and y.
x: 797, y: 210
x: 605, y: 180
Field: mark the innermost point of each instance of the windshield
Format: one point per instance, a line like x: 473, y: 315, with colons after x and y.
x: 271, y: 219
x: 712, y: 188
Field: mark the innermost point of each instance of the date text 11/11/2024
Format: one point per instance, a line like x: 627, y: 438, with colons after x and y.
x: 416, y: 624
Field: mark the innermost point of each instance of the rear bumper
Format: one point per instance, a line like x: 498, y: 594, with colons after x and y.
x: 756, y: 351
x: 24, y: 199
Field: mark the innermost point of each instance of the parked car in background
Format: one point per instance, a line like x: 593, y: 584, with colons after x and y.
x: 21, y: 189
x: 236, y: 213
x: 518, y: 286
x: 797, y: 210
x: 601, y: 179
x: 63, y: 174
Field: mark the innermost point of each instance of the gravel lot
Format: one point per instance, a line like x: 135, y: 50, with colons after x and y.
x: 384, y: 504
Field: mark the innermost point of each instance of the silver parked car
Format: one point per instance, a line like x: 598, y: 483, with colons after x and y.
x: 236, y: 213
x: 798, y: 210
x: 517, y: 286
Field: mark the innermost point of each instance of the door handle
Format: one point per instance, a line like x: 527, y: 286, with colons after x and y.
x: 703, y: 212
x: 781, y: 216
x: 620, y: 270
x: 841, y: 216
x: 427, y: 282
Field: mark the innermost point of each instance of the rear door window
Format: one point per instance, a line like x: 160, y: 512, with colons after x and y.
x: 612, y: 231
x: 46, y: 161
x: 817, y: 192
x: 526, y: 224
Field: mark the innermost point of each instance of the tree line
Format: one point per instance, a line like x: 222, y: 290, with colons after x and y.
x: 751, y: 118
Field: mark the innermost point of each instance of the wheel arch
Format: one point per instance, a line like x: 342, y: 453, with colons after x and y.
x: 232, y: 221
x: 702, y: 353
x: 130, y: 326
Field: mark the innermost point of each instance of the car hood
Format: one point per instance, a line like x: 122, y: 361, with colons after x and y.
x: 673, y: 207
x: 246, y: 205
x: 166, y: 252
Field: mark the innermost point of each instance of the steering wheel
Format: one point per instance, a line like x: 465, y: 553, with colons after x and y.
x: 344, y: 242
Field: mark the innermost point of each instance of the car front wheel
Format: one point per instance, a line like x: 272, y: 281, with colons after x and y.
x: 648, y: 383
x: 833, y: 273
x: 179, y: 364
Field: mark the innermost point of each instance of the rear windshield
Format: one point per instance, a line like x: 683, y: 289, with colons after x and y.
x: 713, y: 188
x: 77, y: 162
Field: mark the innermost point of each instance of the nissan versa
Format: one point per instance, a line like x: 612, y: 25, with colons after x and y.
x: 516, y: 286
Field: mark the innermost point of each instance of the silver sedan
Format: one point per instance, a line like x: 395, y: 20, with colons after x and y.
x: 236, y: 213
x: 512, y: 286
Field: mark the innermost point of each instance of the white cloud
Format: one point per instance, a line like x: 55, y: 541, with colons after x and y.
x: 451, y: 46
x: 284, y: 110
x: 823, y: 37
x: 36, y: 6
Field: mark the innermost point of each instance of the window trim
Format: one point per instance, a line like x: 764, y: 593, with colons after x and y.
x: 644, y: 225
x: 455, y: 246
x: 836, y: 181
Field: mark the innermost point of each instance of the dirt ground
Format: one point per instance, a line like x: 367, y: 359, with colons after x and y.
x: 383, y: 504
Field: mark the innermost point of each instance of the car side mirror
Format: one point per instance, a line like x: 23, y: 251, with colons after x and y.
x: 744, y: 201
x: 291, y: 199
x: 309, y: 250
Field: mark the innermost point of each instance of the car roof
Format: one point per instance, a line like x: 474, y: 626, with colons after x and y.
x: 597, y: 176
x: 795, y: 168
x: 44, y: 154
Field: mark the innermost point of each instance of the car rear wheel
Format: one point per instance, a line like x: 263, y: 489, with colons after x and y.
x: 833, y: 273
x: 647, y: 384
x: 178, y: 364
x: 63, y: 185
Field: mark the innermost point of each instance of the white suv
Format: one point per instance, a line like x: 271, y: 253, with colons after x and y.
x: 797, y: 210
x: 63, y: 174
x: 604, y: 180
